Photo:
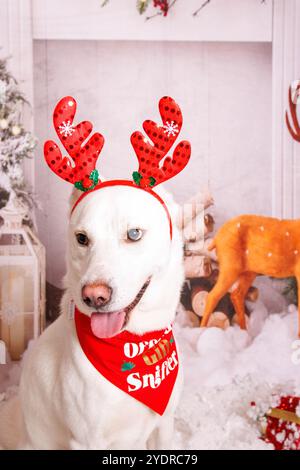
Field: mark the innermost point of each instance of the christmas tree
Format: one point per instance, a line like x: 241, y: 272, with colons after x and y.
x: 15, y: 142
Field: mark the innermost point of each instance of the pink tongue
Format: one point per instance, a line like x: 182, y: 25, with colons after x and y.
x: 106, y: 325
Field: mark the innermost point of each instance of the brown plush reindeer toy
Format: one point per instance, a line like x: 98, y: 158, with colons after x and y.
x: 249, y: 245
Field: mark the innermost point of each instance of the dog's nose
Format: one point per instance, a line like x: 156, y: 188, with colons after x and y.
x: 96, y: 295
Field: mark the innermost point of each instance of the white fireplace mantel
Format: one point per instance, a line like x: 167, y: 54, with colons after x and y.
x: 220, y: 20
x: 276, y: 22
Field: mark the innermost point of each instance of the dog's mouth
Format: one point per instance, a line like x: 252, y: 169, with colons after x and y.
x: 108, y: 324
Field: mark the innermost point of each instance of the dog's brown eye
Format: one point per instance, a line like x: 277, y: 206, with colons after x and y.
x: 134, y: 234
x: 82, y: 239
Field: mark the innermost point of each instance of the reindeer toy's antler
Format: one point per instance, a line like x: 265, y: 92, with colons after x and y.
x: 81, y: 171
x: 150, y: 172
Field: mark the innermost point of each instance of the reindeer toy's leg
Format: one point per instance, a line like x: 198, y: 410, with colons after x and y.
x: 238, y: 285
x: 224, y: 283
x: 232, y: 277
x: 238, y: 295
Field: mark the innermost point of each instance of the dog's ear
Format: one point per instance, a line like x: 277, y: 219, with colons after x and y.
x: 173, y: 207
x: 76, y: 193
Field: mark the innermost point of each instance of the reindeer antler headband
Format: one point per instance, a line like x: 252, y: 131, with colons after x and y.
x: 153, y: 170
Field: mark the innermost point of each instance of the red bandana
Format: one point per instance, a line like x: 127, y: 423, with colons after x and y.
x: 144, y: 366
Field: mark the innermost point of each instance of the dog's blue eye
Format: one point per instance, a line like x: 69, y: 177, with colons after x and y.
x: 134, y: 234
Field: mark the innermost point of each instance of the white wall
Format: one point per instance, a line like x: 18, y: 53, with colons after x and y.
x: 224, y: 90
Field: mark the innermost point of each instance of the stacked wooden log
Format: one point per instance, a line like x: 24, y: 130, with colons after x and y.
x: 201, y: 265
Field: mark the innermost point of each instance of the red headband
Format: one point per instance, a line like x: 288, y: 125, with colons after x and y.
x: 82, y: 172
x: 131, y: 184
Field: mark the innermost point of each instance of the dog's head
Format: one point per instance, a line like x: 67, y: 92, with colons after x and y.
x: 124, y: 263
x: 123, y: 268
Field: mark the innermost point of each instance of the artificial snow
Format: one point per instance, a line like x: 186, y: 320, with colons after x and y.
x: 225, y: 371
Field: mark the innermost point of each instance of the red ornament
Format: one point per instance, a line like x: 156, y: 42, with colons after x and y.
x: 283, y: 424
x: 163, y: 5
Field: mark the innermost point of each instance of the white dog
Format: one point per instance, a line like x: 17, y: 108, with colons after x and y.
x: 118, y: 242
x: 124, y: 274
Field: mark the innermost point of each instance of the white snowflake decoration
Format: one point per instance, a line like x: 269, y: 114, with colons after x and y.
x: 171, y: 128
x: 66, y: 128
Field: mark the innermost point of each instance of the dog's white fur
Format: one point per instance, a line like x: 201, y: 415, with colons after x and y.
x: 64, y: 401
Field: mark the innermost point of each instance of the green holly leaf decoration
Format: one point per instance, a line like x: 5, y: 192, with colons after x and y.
x: 137, y: 177
x: 79, y: 185
x: 94, y: 176
x: 127, y: 366
x: 152, y: 181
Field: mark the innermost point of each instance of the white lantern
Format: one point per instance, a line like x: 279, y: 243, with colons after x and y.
x: 22, y: 280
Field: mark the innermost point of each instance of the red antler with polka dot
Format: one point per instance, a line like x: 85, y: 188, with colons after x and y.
x: 81, y: 171
x: 150, y: 154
